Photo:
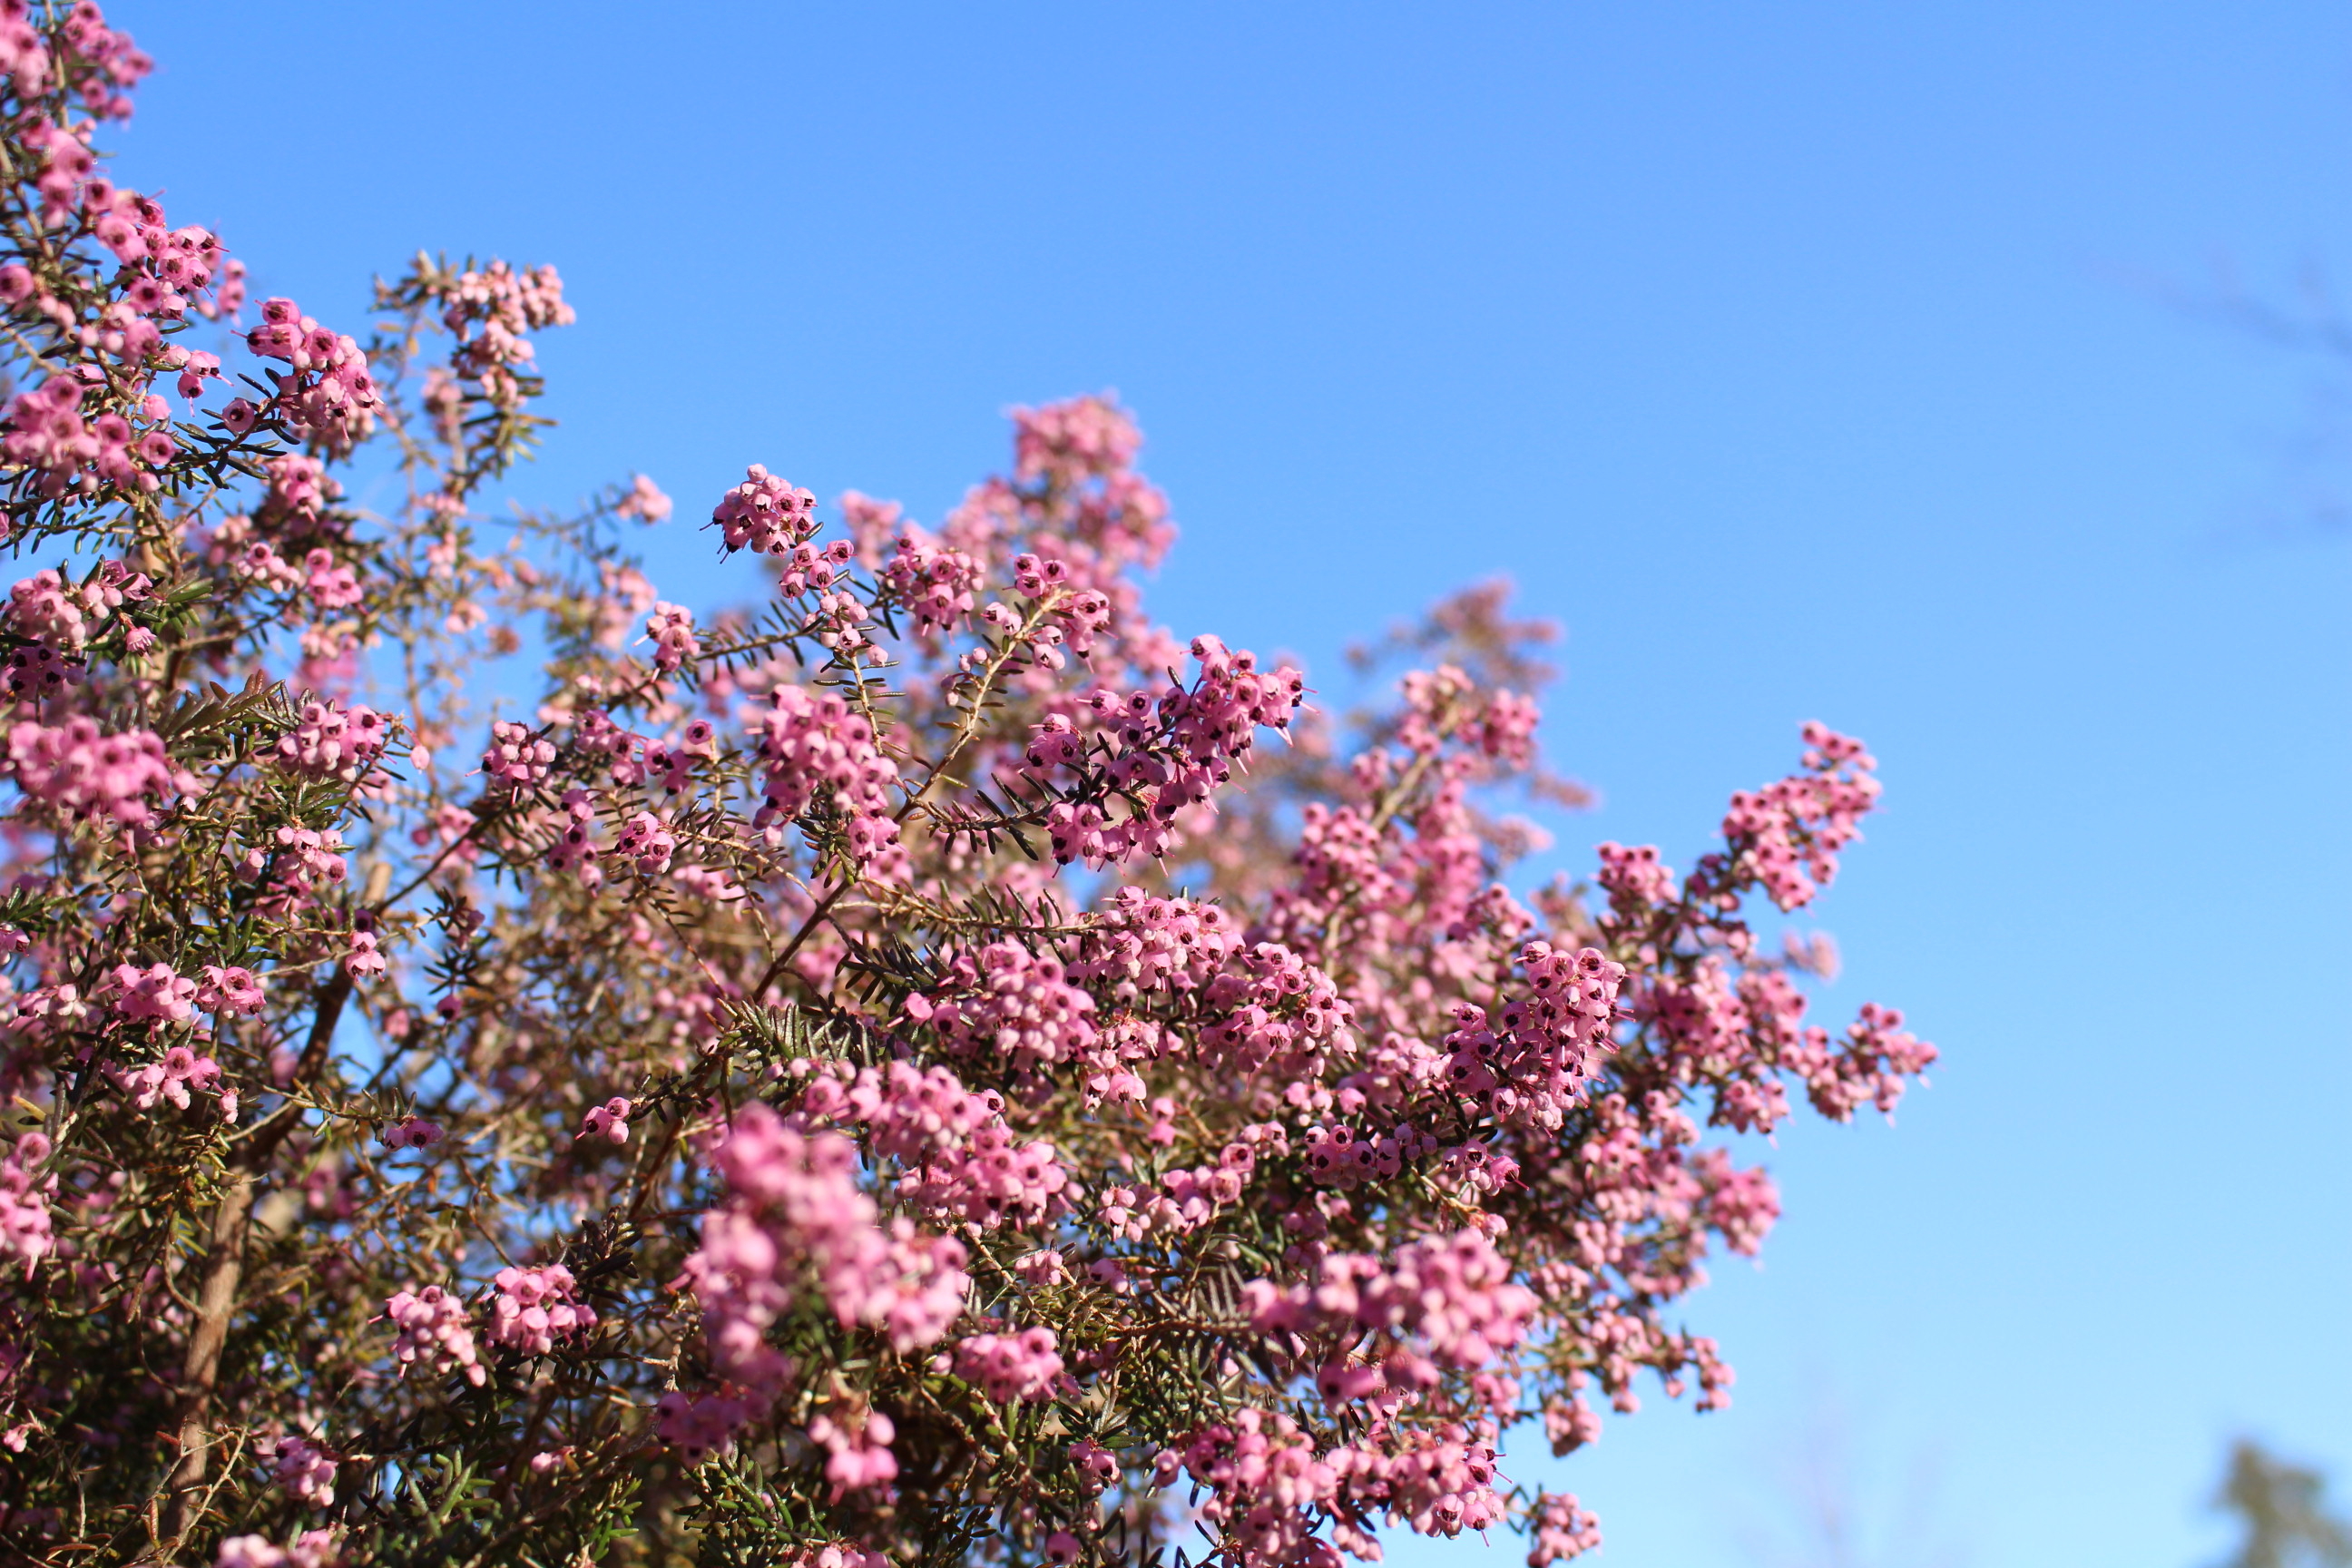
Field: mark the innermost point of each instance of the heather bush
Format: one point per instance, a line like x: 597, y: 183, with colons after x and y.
x: 503, y: 1068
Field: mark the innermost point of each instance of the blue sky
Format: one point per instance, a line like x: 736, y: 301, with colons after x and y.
x: 1806, y: 361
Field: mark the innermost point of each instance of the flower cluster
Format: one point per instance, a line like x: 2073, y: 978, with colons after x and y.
x: 1161, y: 755
x: 936, y: 583
x: 518, y: 758
x: 48, y: 609
x: 1086, y: 438
x: 765, y: 513
x: 644, y: 501
x: 48, y: 435
x: 304, y: 1469
x: 1272, y: 1486
x: 311, y: 1548
x: 1450, y: 1302
x: 645, y: 839
x: 299, y: 863
x: 609, y: 1121
x: 1530, y: 1063
x: 796, y: 1229
x: 1141, y: 942
x: 815, y: 750
x: 858, y: 1452
x: 959, y: 1158
x: 81, y: 772
x: 1274, y: 1010
x: 487, y: 310
x: 1011, y: 1004
x: 1787, y: 835
x: 331, y: 741
x: 671, y: 627
x: 1009, y: 1367
x: 434, y: 1329
x: 84, y: 57
x: 412, y: 1132
x: 230, y: 988
x: 532, y: 1309
x: 25, y: 1194
x: 327, y: 393
x: 1561, y: 1530
x: 153, y: 993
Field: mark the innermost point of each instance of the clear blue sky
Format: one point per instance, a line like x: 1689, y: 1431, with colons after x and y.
x: 1805, y: 360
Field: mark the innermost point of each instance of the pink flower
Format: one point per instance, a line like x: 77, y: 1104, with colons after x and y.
x: 1009, y: 1367
x: 672, y: 628
x: 765, y: 513
x: 532, y: 1309
x: 175, y: 1078
x: 233, y: 989
x: 858, y: 1447
x: 1562, y: 1530
x: 810, y: 742
x: 362, y: 958
x: 331, y: 584
x: 434, y: 1329
x: 195, y: 369
x: 700, y: 1424
x: 517, y: 758
x: 1004, y: 1004
x: 645, y: 839
x: 331, y: 741
x: 80, y: 773
x: 25, y: 1198
x: 795, y: 1216
x: 152, y: 993
x: 608, y: 1122
x: 311, y: 1548
x: 304, y: 1471
x: 330, y: 393
x: 1096, y: 1465
x: 644, y: 501
x: 412, y: 1133
x: 1083, y: 438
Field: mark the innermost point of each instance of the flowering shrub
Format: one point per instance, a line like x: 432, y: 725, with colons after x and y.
x: 933, y: 1067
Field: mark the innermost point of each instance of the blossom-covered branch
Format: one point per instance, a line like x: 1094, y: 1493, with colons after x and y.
x: 924, y: 1066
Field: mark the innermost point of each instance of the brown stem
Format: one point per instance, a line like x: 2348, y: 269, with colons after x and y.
x: 775, y: 970
x: 271, y: 1129
x: 216, y: 1304
x: 225, y: 1274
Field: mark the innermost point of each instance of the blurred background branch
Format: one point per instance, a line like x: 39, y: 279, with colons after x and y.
x: 2282, y: 1510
